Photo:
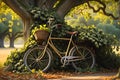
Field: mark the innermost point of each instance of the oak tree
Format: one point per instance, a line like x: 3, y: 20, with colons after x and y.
x: 62, y: 7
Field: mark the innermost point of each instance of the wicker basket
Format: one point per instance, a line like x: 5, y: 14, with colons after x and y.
x: 41, y: 35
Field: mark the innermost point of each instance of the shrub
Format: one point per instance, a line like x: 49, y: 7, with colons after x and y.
x: 102, y: 43
x: 107, y: 58
x: 15, y: 59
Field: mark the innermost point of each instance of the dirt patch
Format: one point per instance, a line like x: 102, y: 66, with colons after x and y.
x: 4, y: 52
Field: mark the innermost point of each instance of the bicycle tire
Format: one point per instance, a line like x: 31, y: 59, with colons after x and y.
x: 87, y: 62
x: 31, y: 62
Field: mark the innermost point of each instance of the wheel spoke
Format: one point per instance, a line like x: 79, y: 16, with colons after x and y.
x: 89, y: 57
x: 39, y: 64
x: 32, y: 63
x: 31, y: 59
x: 31, y: 55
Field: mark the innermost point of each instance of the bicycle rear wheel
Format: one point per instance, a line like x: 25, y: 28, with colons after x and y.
x: 32, y: 61
x: 86, y: 58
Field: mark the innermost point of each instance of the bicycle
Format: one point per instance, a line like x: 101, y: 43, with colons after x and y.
x: 40, y: 57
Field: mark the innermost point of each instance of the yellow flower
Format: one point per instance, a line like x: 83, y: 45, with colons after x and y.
x: 10, y: 23
x: 33, y: 70
x: 40, y: 73
x: 10, y: 30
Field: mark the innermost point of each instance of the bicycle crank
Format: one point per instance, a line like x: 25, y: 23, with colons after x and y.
x: 65, y: 60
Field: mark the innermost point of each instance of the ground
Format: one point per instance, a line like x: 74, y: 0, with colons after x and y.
x: 56, y: 76
x: 106, y: 75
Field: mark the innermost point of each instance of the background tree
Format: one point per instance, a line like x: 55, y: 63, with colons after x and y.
x: 3, y: 33
x: 83, y: 15
x: 15, y: 32
x: 10, y: 25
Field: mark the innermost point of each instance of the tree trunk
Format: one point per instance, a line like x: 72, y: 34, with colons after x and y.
x: 27, y: 23
x: 11, y: 38
x: 11, y: 42
x: 1, y: 42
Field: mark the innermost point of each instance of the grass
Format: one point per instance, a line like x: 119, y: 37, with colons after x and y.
x: 4, y: 52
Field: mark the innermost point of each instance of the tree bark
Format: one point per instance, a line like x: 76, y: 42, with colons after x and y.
x: 27, y: 24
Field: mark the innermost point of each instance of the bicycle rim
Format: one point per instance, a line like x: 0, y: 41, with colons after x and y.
x: 87, y: 60
x: 31, y: 60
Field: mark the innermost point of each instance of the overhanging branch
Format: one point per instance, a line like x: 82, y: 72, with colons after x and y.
x: 66, y: 5
x: 18, y: 34
x: 16, y: 7
x: 102, y: 8
x: 24, y: 3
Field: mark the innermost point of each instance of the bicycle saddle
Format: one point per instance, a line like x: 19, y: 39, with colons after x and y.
x: 72, y: 33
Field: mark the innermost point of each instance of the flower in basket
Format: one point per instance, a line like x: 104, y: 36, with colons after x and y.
x: 42, y: 27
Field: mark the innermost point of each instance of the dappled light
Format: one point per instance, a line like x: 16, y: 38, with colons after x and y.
x: 6, y: 42
x: 63, y: 38
x: 19, y: 42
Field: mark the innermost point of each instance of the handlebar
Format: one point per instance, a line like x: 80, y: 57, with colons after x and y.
x: 56, y: 26
x: 60, y: 25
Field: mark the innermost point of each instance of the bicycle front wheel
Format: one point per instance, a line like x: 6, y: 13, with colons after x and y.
x: 34, y: 59
x: 86, y: 58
